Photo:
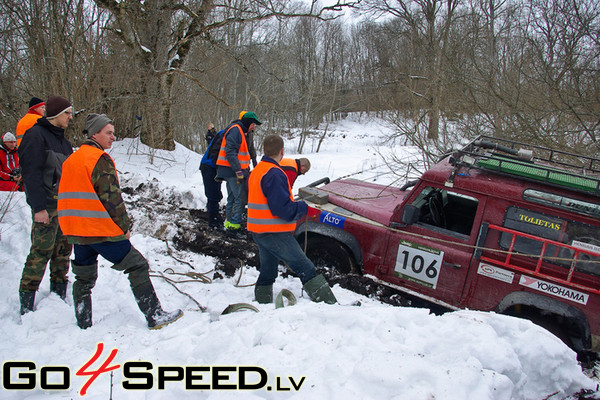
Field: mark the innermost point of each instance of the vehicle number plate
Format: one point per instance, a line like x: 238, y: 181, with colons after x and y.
x: 419, y: 263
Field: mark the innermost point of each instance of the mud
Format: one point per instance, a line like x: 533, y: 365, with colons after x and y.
x: 233, y: 250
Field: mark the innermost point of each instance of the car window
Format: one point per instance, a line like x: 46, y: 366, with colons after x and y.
x: 446, y: 209
x: 573, y: 233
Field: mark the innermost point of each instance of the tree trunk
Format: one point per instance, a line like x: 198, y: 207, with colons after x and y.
x: 157, y: 129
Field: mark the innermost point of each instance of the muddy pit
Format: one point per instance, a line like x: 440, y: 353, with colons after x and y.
x: 235, y: 249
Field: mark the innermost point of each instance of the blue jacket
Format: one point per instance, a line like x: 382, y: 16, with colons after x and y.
x: 210, y: 157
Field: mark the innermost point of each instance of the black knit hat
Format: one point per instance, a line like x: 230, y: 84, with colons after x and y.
x: 35, y: 102
x: 57, y: 105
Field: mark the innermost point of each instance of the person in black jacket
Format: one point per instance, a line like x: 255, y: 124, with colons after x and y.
x: 41, y: 155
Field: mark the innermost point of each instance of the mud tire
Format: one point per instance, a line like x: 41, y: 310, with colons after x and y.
x: 330, y: 255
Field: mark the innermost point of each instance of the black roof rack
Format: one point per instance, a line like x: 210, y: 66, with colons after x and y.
x: 530, y: 162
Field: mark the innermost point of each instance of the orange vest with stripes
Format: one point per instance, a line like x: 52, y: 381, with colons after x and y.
x: 243, y: 153
x: 80, y: 211
x: 25, y: 123
x: 260, y: 218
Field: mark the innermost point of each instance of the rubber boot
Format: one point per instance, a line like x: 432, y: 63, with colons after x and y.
x: 263, y: 294
x: 27, y: 300
x: 59, y: 288
x: 215, y: 221
x: 83, y: 312
x: 136, y: 267
x: 318, y: 290
x: 149, y: 305
x: 85, y: 280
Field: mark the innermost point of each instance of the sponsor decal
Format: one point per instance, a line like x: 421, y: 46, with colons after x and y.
x: 554, y: 290
x: 540, y: 222
x: 332, y: 219
x: 586, y: 246
x: 418, y: 263
x: 143, y: 375
x: 495, y: 273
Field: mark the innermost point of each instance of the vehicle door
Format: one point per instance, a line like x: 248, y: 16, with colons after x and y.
x: 432, y: 245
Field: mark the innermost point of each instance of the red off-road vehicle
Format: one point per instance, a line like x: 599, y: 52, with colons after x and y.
x: 497, y: 226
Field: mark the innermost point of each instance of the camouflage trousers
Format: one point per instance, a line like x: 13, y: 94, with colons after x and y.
x: 47, y: 244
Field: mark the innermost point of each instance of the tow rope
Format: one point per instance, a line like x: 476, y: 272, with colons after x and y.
x: 440, y: 240
x: 288, y: 295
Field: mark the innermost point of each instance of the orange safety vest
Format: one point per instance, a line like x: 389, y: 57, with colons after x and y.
x: 243, y: 153
x: 290, y: 167
x: 260, y: 217
x: 80, y: 211
x: 25, y: 123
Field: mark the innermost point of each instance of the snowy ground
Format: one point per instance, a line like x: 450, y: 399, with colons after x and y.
x: 305, y: 351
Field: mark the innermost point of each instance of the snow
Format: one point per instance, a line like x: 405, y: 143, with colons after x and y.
x: 342, y: 351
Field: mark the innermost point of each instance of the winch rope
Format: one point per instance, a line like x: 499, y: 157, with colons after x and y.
x: 445, y: 241
x: 174, y: 282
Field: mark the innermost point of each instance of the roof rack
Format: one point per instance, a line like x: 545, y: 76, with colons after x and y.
x: 530, y: 162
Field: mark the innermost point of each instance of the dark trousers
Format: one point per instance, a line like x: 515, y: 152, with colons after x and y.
x: 114, y: 252
x: 275, y: 247
x: 212, y: 189
x: 122, y: 254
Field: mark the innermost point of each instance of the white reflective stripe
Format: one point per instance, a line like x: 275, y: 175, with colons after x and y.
x: 243, y: 153
x: 273, y: 221
x: 256, y: 206
x: 77, y: 195
x: 84, y: 214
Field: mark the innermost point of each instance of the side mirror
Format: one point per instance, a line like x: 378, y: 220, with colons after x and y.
x: 410, y: 214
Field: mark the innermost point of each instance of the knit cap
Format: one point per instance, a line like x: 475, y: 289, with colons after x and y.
x: 94, y: 124
x: 57, y: 105
x: 9, y: 137
x: 35, y: 102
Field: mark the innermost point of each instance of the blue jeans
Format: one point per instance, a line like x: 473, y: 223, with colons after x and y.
x: 273, y: 247
x: 236, y: 200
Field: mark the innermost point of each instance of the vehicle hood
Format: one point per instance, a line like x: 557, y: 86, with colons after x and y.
x: 372, y: 201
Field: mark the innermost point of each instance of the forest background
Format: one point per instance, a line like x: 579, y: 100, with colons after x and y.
x: 521, y: 69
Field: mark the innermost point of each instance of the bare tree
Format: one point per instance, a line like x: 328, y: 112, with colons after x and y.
x: 427, y: 25
x: 50, y: 48
x: 161, y: 34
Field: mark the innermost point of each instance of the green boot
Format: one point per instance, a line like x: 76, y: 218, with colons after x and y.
x: 318, y: 290
x: 136, y: 267
x: 149, y: 305
x: 85, y: 280
x: 83, y: 312
x: 263, y: 294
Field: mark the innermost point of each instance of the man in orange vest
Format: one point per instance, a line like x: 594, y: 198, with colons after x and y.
x: 92, y: 214
x: 37, y: 108
x: 233, y: 166
x: 294, y: 167
x: 272, y: 215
